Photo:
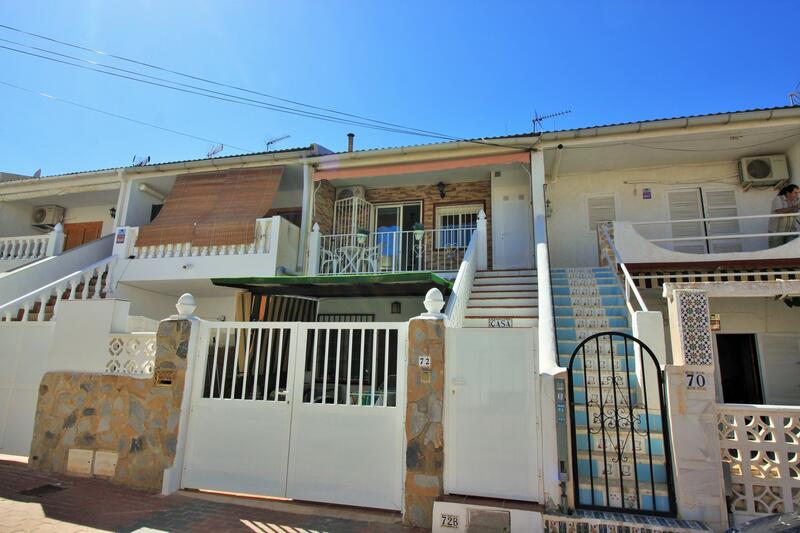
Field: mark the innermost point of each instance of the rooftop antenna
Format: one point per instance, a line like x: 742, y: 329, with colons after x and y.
x: 275, y: 140
x: 537, y: 120
x: 794, y: 96
x: 139, y: 161
x: 214, y: 150
x: 38, y: 173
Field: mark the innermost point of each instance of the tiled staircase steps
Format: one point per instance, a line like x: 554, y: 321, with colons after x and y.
x: 588, y: 301
x: 33, y: 313
x: 507, y: 297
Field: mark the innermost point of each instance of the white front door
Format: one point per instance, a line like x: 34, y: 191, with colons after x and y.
x: 512, y: 223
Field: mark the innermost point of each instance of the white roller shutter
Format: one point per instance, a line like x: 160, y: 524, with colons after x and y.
x: 600, y: 209
x: 723, y: 204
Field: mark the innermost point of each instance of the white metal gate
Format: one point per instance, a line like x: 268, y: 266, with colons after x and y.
x: 492, y: 434
x: 309, y: 411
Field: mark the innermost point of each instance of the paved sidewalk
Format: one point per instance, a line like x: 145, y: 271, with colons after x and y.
x: 73, y: 504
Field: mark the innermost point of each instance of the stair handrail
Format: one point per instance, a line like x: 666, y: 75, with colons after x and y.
x: 26, y: 301
x: 606, y: 244
x: 462, y: 287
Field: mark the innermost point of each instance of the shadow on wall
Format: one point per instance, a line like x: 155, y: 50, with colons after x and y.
x: 121, y: 428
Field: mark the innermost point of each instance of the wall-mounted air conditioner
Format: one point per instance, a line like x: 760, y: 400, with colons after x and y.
x: 47, y: 216
x: 763, y: 171
x: 356, y: 191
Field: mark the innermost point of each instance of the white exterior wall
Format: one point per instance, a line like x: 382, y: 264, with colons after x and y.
x: 573, y: 244
x: 150, y: 304
x: 139, y: 206
x: 91, y: 214
x: 793, y: 158
x: 15, y: 220
x: 410, y: 306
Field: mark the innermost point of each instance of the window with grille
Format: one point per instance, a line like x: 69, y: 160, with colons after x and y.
x: 455, y: 224
x: 601, y: 208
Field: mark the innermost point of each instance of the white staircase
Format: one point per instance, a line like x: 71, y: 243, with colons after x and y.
x: 502, y: 299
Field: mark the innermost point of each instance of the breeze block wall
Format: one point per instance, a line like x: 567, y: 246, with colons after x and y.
x: 80, y: 414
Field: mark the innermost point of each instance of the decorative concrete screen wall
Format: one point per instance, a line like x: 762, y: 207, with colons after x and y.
x: 119, y: 427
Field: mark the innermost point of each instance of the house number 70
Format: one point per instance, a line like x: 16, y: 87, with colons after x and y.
x: 695, y: 381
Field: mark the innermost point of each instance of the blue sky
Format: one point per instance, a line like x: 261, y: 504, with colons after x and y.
x: 467, y: 69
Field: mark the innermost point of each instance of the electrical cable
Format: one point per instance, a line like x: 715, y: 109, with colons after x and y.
x: 388, y: 126
x: 122, y: 117
x: 206, y: 80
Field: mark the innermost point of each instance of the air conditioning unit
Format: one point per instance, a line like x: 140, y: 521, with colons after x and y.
x: 47, y: 216
x: 356, y: 191
x: 763, y: 171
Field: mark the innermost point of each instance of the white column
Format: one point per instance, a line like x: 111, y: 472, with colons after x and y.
x: 123, y: 198
x: 648, y: 327
x: 483, y: 247
x: 305, y: 216
x: 537, y: 197
x: 313, y: 251
x: 697, y: 464
x: 55, y: 241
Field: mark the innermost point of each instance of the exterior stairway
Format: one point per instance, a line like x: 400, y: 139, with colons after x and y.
x: 588, y: 301
x: 502, y: 299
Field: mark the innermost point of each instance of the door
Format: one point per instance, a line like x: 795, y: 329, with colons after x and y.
x: 512, y: 224
x: 80, y: 233
x: 238, y: 436
x: 393, y: 225
x: 738, y: 368
x: 492, y: 446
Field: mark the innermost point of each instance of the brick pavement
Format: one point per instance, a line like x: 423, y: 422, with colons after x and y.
x: 90, y: 505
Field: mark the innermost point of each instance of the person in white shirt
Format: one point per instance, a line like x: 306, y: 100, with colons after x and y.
x: 786, y: 202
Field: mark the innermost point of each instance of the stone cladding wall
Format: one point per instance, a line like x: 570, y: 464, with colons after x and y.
x: 424, y: 430
x: 134, y: 417
x: 324, y: 198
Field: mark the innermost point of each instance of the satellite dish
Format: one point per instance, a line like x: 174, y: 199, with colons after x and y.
x: 38, y: 173
x: 214, y: 150
x: 140, y: 161
x: 275, y: 140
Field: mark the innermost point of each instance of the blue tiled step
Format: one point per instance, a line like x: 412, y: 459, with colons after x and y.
x: 645, y: 500
x: 605, y: 377
x: 598, y: 290
x: 603, y: 322
x: 567, y: 346
x: 572, y: 334
x: 590, y: 311
x: 654, y: 418
x: 621, y: 363
x: 654, y: 443
x: 595, y: 468
x: 564, y: 300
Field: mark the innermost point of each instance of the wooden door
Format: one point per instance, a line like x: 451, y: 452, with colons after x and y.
x: 81, y: 233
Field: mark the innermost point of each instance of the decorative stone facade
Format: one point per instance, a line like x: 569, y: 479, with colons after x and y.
x: 424, y: 429
x: 324, y: 198
x: 473, y: 192
x: 136, y: 419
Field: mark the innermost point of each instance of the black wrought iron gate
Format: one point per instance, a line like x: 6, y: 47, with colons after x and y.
x: 620, y: 440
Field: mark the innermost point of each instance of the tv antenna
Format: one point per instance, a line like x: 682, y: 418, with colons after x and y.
x: 139, y: 161
x: 537, y: 120
x: 214, y: 150
x: 275, y: 140
x: 794, y: 96
x: 38, y: 173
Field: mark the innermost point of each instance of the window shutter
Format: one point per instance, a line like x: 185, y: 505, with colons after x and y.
x: 685, y: 205
x: 780, y: 364
x: 723, y: 204
x: 600, y: 209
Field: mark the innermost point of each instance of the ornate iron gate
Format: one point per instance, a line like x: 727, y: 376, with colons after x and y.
x: 620, y: 439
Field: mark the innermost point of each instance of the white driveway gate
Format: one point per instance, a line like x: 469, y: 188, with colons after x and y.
x: 300, y: 410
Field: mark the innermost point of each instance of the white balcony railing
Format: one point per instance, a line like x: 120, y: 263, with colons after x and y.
x: 32, y: 247
x: 256, y: 242
x: 437, y: 250
x: 702, y: 240
x: 718, y: 234
x: 760, y: 446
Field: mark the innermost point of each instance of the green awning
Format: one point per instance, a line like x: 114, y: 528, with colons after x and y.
x: 398, y: 284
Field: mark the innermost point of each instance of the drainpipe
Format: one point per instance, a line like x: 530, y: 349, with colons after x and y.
x: 305, y: 217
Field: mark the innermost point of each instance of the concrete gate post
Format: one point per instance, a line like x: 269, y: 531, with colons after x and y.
x: 424, y: 406
x: 691, y: 399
